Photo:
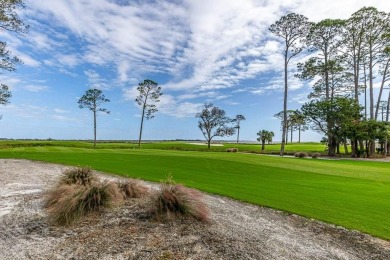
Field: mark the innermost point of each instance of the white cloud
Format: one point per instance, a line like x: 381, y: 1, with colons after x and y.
x: 219, y: 42
x: 96, y: 81
x: 68, y: 60
x: 63, y: 118
x: 60, y: 111
x: 170, y: 106
x: 35, y: 88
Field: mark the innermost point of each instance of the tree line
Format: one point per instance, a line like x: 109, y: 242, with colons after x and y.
x: 347, y: 56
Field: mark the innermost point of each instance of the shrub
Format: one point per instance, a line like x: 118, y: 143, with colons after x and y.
x: 67, y: 203
x: 315, y: 155
x: 176, y: 200
x: 79, y: 175
x: 132, y: 189
x: 301, y: 154
x: 232, y: 150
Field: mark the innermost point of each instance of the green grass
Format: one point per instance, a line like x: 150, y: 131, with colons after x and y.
x: 170, y: 145
x: 354, y: 194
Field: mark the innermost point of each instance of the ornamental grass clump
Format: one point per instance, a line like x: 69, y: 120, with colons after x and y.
x: 301, y: 154
x: 232, y: 150
x: 315, y: 155
x: 78, y: 193
x: 67, y: 203
x: 132, y: 189
x: 174, y: 200
x: 79, y: 175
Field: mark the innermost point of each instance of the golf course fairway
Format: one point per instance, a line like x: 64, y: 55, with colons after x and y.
x: 353, y: 194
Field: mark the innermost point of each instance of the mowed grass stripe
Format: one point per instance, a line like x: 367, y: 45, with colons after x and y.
x: 357, y: 197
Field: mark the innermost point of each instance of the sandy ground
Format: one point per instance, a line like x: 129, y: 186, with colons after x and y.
x: 237, y: 230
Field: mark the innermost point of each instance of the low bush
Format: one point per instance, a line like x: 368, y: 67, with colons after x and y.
x: 315, y: 155
x: 132, y: 189
x: 301, y: 154
x: 79, y: 175
x: 67, y: 203
x: 232, y: 150
x: 176, y: 200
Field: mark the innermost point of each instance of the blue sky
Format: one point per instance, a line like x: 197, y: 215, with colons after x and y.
x: 217, y: 51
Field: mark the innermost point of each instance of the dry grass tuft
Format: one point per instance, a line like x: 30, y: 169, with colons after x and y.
x: 315, y: 155
x: 232, y: 150
x: 79, y: 175
x: 133, y: 189
x: 176, y: 200
x: 301, y: 154
x: 67, y: 203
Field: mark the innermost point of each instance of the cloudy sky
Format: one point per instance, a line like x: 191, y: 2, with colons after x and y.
x: 217, y: 51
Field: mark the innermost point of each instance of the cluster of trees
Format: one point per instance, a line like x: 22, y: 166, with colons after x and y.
x: 212, y: 122
x: 347, y: 56
x: 149, y: 94
x: 296, y: 121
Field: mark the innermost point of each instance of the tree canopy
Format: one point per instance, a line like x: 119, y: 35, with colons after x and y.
x: 214, y: 122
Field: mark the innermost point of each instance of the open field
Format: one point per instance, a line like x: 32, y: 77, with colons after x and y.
x: 354, y: 194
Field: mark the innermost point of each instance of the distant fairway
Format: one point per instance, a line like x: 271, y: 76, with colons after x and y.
x: 354, y: 194
x: 172, y: 145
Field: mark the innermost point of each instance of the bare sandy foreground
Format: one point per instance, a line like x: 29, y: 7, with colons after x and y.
x: 237, y: 230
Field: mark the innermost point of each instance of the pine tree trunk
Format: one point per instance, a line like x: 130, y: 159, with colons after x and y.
x: 346, y: 147
x: 94, y: 129
x: 299, y: 135
x: 142, y: 123
x: 284, y: 104
x: 381, y: 90
x: 287, y: 135
x: 238, y: 133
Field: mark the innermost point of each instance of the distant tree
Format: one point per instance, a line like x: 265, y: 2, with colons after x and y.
x: 292, y: 28
x: 93, y: 99
x: 298, y: 123
x: 265, y: 136
x: 214, y: 122
x: 149, y: 91
x: 287, y: 123
x: 237, y: 121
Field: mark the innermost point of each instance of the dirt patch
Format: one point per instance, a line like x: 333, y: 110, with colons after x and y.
x: 237, y: 230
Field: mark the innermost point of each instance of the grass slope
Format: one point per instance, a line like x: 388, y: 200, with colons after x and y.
x: 353, y: 194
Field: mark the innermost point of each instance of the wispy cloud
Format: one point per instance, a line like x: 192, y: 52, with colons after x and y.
x: 95, y: 80
x: 36, y: 88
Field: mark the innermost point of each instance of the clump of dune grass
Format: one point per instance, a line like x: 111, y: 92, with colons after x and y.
x: 79, y: 175
x: 315, y: 155
x: 301, y: 154
x: 232, y: 150
x: 67, y: 203
x: 132, y: 189
x: 174, y: 200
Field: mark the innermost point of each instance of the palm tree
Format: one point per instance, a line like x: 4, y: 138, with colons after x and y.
x: 265, y: 136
